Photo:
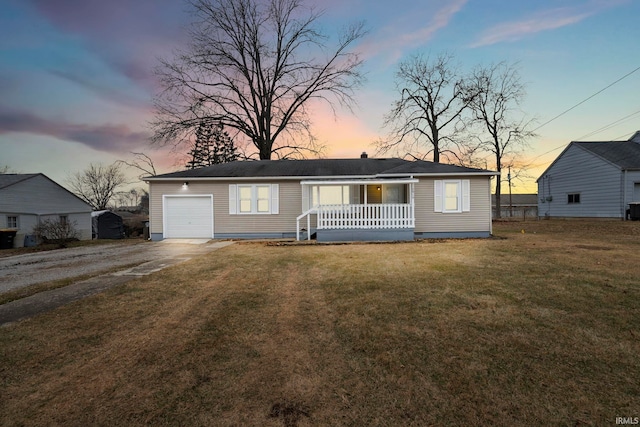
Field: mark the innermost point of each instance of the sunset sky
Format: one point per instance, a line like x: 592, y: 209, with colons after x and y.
x: 77, y: 81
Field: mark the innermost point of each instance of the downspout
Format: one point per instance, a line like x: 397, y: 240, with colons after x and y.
x: 38, y: 222
x: 490, y: 209
x: 624, y: 195
x: 549, y: 197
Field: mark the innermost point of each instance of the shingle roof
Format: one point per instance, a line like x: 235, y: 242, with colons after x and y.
x: 321, y: 168
x: 625, y: 154
x: 8, y: 179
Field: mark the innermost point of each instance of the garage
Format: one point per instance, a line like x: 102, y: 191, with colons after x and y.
x: 188, y: 217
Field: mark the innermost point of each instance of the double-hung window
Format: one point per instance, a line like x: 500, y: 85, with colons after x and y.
x: 258, y: 199
x: 12, y: 221
x: 452, y: 196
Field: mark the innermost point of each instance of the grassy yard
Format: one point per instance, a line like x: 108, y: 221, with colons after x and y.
x: 538, y: 326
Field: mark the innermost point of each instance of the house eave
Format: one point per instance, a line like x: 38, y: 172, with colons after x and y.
x: 315, y: 178
x: 440, y: 174
x: 255, y: 178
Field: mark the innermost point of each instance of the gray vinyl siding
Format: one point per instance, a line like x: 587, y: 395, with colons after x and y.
x: 478, y: 219
x: 290, y: 204
x: 40, y: 198
x: 632, y: 188
x: 578, y: 171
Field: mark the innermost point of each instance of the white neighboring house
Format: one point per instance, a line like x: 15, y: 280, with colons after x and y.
x: 27, y: 199
x: 592, y: 180
x: 333, y: 199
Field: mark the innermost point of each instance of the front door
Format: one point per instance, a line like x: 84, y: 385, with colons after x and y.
x: 393, y: 193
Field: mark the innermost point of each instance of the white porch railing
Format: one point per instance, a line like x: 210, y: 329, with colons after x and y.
x: 366, y: 216
x: 308, y: 229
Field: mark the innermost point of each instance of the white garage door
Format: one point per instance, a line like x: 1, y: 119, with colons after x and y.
x: 188, y: 217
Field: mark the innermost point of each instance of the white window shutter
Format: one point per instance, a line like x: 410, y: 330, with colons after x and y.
x: 233, y: 194
x: 466, y: 195
x: 275, y: 198
x: 437, y: 196
x: 305, y: 198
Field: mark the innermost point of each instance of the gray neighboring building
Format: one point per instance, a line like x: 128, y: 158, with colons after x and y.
x: 27, y: 199
x: 591, y: 180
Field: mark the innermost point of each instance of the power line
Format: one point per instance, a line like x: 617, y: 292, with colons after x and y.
x: 623, y: 137
x: 585, y: 100
x: 577, y: 105
x: 618, y: 138
x: 543, y: 154
x: 606, y: 127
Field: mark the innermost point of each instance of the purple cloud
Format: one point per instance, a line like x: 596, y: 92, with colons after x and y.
x: 113, y: 138
x: 128, y: 36
x: 110, y: 92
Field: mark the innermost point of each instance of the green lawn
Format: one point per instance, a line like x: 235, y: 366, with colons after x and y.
x: 538, y: 326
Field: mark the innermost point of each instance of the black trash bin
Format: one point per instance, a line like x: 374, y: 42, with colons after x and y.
x: 634, y: 211
x: 6, y: 238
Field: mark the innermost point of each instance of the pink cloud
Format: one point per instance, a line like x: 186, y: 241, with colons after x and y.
x: 396, y: 38
x: 542, y: 21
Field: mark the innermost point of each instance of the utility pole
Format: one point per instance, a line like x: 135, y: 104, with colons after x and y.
x: 510, y: 197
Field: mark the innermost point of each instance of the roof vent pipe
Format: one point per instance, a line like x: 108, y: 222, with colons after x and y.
x: 364, y: 155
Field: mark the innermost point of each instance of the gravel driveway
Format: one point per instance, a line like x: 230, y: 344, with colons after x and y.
x: 28, y: 269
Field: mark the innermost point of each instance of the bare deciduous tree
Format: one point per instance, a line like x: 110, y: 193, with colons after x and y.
x: 253, y: 66
x: 427, y: 116
x: 97, y: 184
x: 505, y: 130
x: 143, y: 163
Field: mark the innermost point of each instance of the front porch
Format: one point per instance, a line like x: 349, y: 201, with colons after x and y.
x: 367, y: 210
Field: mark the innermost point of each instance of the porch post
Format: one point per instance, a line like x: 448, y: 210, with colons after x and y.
x: 365, y: 215
x: 411, y: 203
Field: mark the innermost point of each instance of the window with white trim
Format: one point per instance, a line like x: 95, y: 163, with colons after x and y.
x: 452, y: 196
x: 330, y: 195
x: 12, y: 221
x: 253, y: 199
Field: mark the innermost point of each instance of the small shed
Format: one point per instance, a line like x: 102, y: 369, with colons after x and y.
x: 107, y: 225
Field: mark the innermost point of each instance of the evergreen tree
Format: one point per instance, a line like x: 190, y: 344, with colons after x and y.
x: 213, y: 145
